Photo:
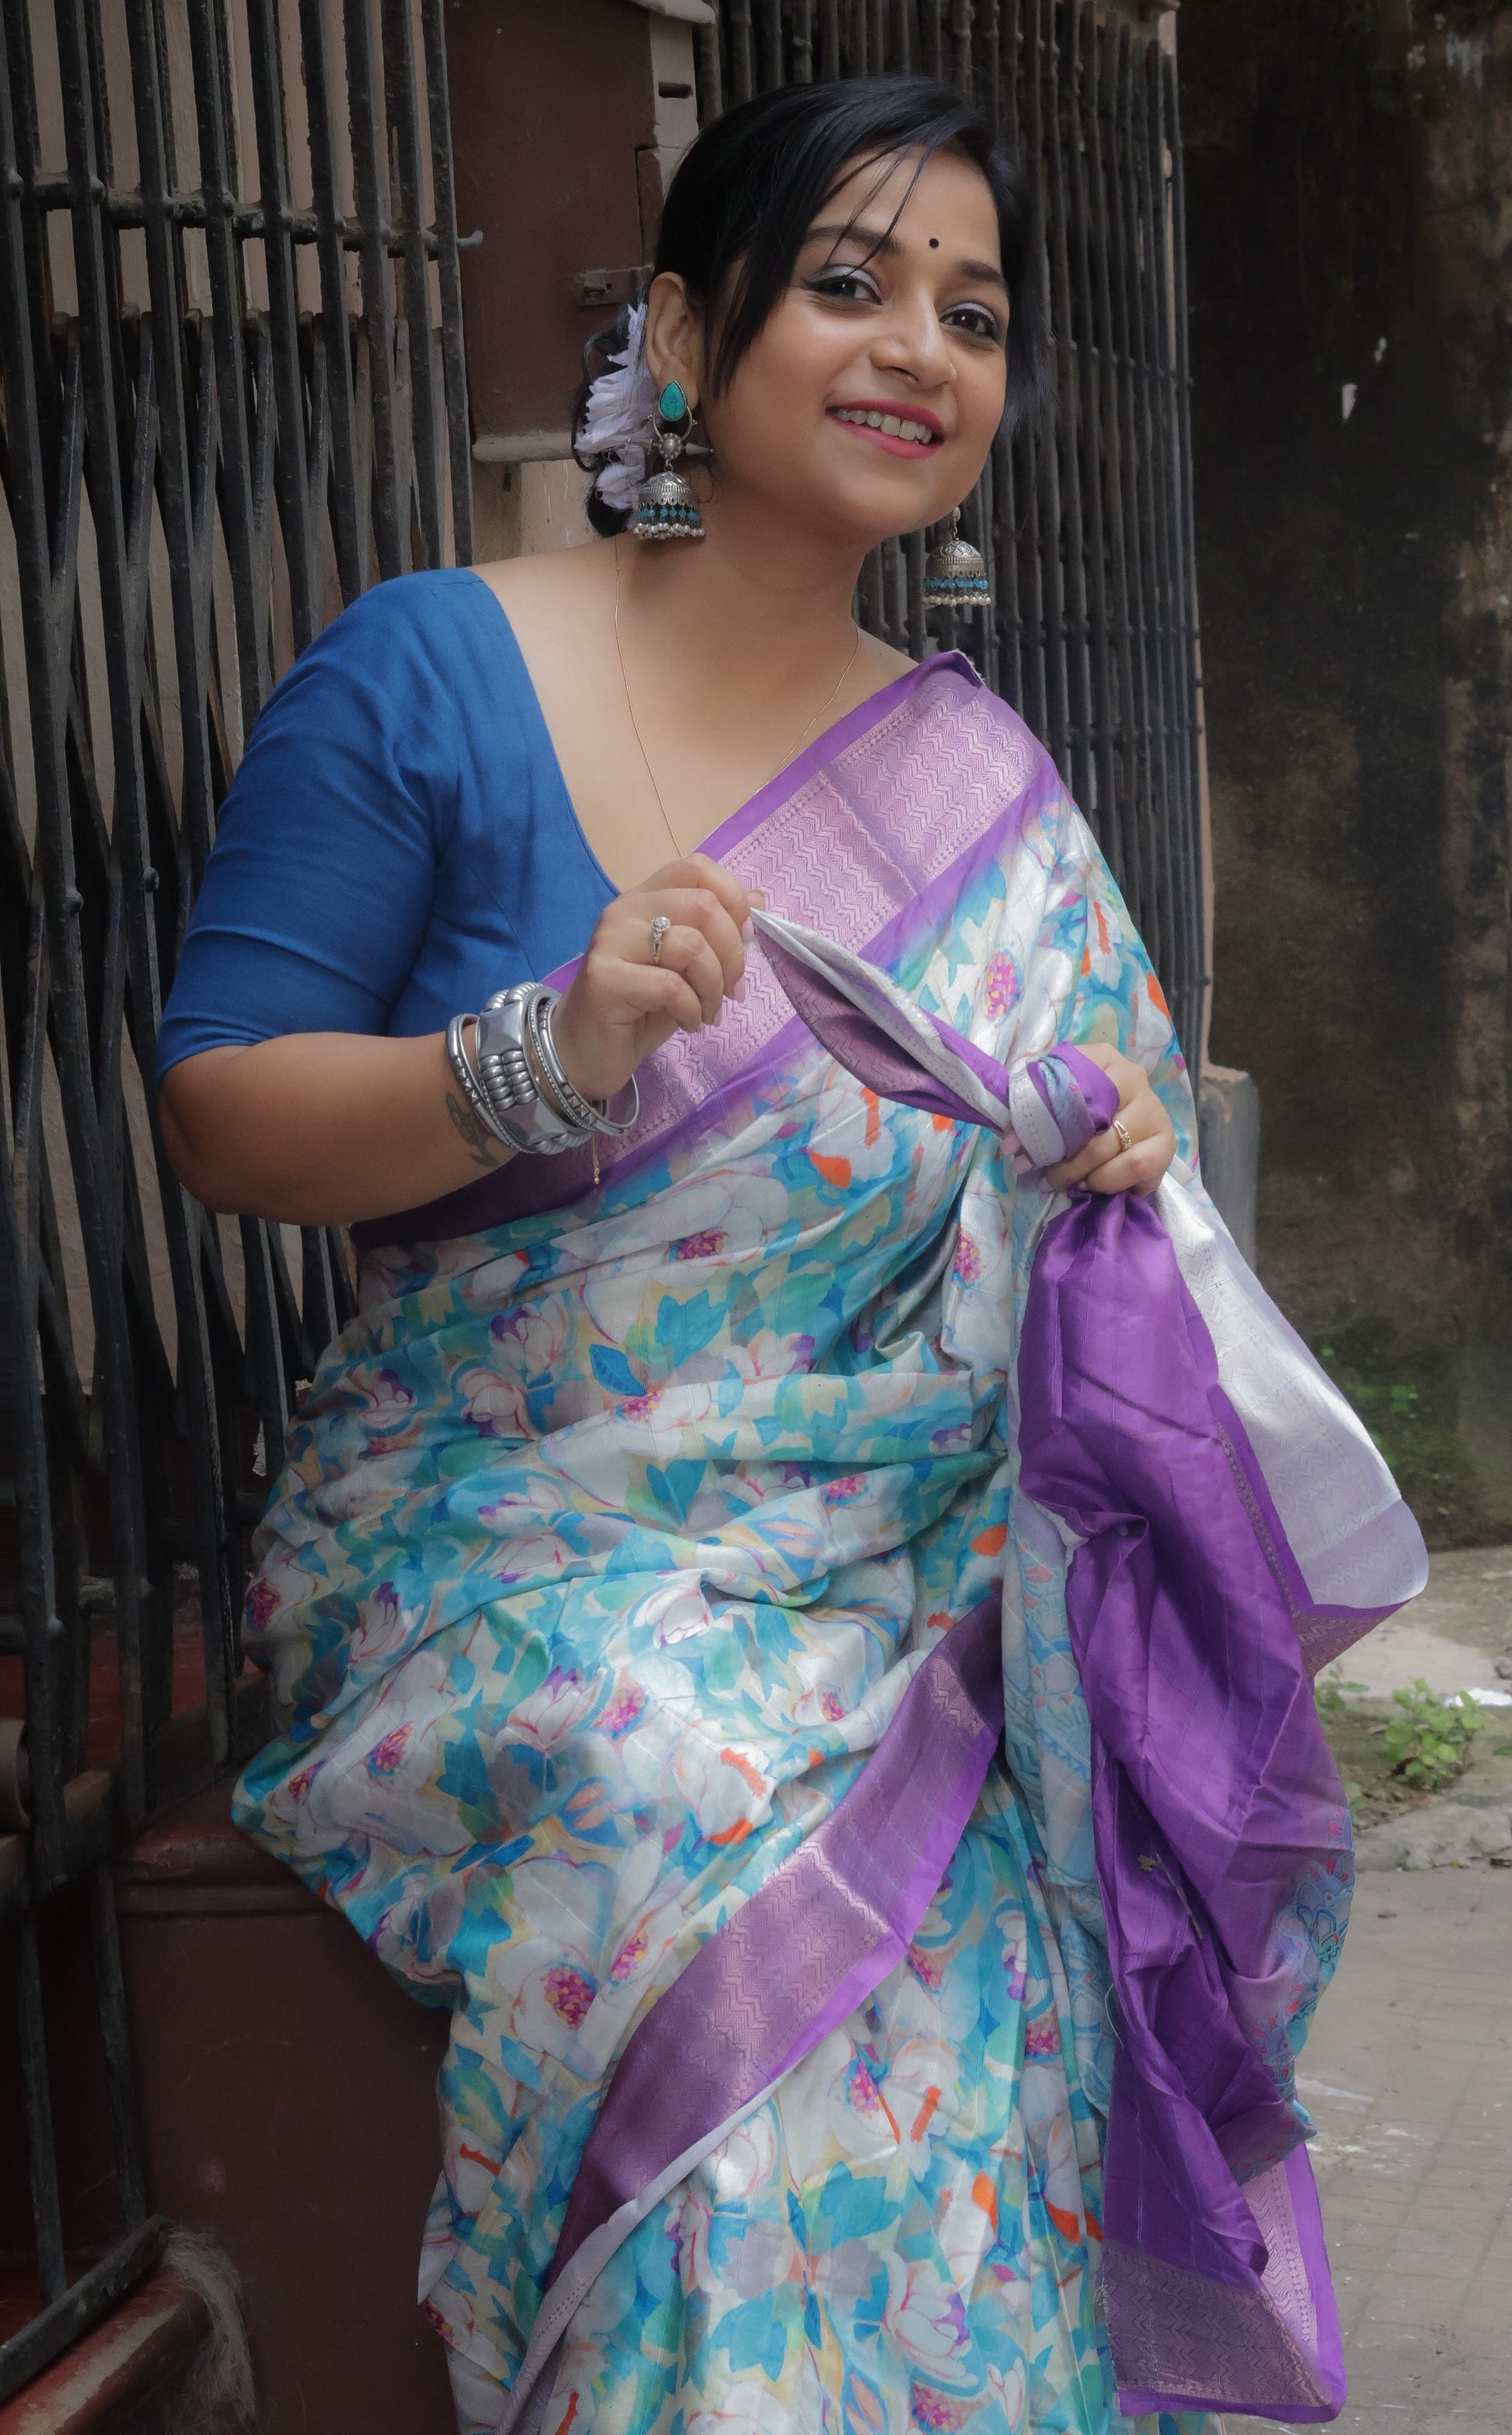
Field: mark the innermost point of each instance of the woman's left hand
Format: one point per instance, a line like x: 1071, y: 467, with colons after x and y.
x: 1105, y: 1164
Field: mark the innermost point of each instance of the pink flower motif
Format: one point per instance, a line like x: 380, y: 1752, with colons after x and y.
x: 626, y: 1704
x: 568, y: 1991
x: 699, y: 1247
x: 384, y: 1756
x: 925, y: 1968
x: 1041, y: 2040
x: 934, y: 2410
x: 1002, y: 985
x: 844, y: 1492
x: 863, y: 2091
x: 832, y: 1707
x: 637, y: 1408
x: 299, y: 1784
x: 630, y: 1957
x: 967, y: 1265
x: 262, y: 1603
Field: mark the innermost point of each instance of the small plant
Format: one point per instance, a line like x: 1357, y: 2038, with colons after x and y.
x: 1330, y: 1692
x: 1429, y: 1744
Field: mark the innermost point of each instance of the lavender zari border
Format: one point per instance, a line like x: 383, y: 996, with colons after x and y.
x: 807, y: 1949
x: 867, y: 838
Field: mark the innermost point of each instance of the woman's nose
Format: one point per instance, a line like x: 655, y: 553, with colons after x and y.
x: 912, y: 342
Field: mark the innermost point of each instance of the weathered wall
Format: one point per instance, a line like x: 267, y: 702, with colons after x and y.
x: 1350, y: 177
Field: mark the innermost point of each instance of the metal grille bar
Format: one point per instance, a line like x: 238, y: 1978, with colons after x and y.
x: 233, y: 393
x: 1086, y: 525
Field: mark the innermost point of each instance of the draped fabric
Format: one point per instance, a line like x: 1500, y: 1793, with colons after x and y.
x: 677, y: 1682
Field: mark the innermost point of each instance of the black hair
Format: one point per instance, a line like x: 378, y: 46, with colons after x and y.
x: 744, y: 197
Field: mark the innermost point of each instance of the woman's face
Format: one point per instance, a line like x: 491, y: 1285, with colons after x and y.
x: 868, y: 403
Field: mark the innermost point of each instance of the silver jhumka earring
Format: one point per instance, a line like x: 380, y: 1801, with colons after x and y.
x: 666, y: 507
x: 955, y: 574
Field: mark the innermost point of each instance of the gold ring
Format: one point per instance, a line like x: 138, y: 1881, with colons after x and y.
x: 1121, y: 1129
x: 660, y: 927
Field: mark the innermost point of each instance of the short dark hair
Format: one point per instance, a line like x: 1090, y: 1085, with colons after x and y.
x: 744, y: 197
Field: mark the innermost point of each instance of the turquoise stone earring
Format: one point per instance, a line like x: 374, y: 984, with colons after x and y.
x: 666, y: 507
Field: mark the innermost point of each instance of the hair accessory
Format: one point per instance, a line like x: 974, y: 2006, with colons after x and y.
x: 620, y: 420
x: 955, y: 573
x: 666, y: 507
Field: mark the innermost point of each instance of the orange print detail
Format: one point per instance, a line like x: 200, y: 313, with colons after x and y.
x: 1102, y: 927
x: 1086, y: 961
x: 925, y: 2113
x: 572, y: 2412
x: 873, y: 1106
x: 986, y: 2197
x: 743, y: 1767
x: 475, y: 2156
x: 1157, y: 995
x: 735, y: 1834
x: 1066, y: 2224
x: 992, y: 1541
x: 835, y: 1170
x: 1094, y: 2228
x: 942, y: 1124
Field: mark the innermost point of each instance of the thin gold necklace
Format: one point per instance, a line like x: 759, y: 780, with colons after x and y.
x: 783, y: 759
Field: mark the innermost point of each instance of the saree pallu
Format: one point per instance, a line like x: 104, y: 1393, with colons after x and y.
x: 681, y: 1682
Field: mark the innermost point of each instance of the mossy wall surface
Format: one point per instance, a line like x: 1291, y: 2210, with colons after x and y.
x: 1349, y: 197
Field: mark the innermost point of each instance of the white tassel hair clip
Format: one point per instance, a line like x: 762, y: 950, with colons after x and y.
x: 620, y: 423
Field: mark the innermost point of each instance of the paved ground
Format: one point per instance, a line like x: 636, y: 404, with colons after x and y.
x: 1409, y: 2078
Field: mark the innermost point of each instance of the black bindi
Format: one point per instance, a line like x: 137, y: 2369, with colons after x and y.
x: 934, y: 243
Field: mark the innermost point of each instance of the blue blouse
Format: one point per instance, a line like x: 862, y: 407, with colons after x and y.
x: 398, y: 841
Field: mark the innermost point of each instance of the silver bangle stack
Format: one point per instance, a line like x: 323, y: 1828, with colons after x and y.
x: 515, y: 1082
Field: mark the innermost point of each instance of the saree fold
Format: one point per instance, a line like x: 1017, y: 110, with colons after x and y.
x: 743, y: 1643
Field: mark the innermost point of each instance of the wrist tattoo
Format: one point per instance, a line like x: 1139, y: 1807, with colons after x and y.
x: 482, y: 1146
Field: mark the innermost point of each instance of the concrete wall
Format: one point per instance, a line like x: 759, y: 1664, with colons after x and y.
x: 1349, y: 179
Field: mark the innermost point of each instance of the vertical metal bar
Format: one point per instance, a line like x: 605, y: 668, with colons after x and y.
x: 291, y: 461
x: 739, y: 51
x: 1101, y: 808
x: 110, y: 1988
x: 349, y: 512
x: 391, y: 490
x: 1124, y: 245
x: 404, y: 122
x: 1068, y: 527
x: 1143, y: 313
x: 1119, y: 715
x: 1191, y: 1035
x: 803, y: 38
x: 449, y: 279
x: 1046, y: 526
x: 37, y: 2099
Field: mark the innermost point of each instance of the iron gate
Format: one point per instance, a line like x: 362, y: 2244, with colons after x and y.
x: 233, y: 395
x: 233, y: 389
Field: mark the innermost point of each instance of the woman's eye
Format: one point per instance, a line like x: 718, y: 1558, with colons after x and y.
x: 976, y: 322
x: 850, y: 286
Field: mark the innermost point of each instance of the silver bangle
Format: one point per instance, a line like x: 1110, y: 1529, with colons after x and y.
x: 594, y: 1114
x: 518, y: 1112
x: 468, y: 1083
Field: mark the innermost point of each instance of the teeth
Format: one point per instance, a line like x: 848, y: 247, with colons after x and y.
x: 895, y: 425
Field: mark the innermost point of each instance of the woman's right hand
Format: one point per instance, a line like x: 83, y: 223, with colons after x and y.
x: 625, y: 1001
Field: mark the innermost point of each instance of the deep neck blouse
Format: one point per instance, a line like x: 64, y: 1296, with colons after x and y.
x: 398, y: 841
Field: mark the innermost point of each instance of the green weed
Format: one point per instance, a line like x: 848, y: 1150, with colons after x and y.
x: 1428, y: 1745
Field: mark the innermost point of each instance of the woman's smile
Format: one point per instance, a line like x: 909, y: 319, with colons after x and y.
x: 903, y: 431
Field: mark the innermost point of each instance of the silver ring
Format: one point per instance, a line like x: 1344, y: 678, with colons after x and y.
x: 660, y: 927
x: 1118, y: 1127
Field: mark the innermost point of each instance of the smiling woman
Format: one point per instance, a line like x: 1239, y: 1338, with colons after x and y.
x: 681, y: 1669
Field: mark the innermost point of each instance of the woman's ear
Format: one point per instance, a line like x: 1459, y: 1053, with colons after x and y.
x: 674, y: 336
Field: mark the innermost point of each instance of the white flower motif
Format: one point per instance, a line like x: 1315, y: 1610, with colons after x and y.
x: 619, y: 422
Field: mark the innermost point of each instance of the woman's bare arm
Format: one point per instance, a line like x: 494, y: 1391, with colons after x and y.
x: 322, y: 1128
x: 328, y: 1127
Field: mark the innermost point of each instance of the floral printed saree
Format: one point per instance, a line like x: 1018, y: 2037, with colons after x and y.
x: 801, y: 1643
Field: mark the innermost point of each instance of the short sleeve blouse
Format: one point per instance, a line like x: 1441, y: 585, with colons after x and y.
x: 398, y: 841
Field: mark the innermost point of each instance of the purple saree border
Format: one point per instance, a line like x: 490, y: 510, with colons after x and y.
x: 901, y: 905
x: 811, y: 1943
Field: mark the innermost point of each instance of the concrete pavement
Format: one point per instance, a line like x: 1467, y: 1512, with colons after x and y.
x: 1408, y: 2074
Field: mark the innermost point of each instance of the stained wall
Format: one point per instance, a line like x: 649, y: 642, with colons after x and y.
x: 1350, y: 182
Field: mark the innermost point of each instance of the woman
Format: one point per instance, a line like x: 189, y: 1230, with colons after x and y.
x: 654, y: 1564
